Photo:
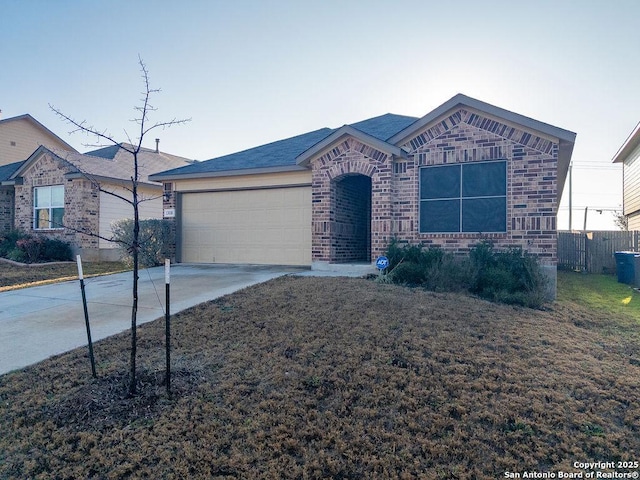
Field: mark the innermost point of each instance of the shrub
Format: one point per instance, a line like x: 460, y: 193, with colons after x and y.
x: 32, y: 247
x: 56, y: 250
x: 17, y: 255
x: 509, y: 276
x: 21, y: 247
x: 409, y: 273
x: 8, y: 242
x: 398, y: 254
x: 155, y: 240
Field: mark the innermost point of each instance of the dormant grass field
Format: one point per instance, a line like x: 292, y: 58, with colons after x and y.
x: 340, y: 378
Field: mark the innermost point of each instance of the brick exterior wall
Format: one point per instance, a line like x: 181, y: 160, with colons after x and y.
x: 351, y: 157
x: 463, y: 136
x: 351, y: 202
x: 6, y: 210
x: 81, y: 205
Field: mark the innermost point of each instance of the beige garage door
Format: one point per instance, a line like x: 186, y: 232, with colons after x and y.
x: 270, y: 226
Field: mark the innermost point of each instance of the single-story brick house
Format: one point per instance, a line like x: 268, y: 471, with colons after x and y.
x: 19, y: 137
x: 465, y: 172
x: 629, y: 156
x: 61, y: 194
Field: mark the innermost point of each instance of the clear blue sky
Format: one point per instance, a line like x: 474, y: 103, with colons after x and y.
x: 251, y: 72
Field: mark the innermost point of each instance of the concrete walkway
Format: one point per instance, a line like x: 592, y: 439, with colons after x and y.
x: 38, y: 322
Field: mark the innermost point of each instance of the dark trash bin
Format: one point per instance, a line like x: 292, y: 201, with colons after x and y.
x: 626, y: 267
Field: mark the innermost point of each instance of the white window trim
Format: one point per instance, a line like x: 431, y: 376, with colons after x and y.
x: 51, y: 207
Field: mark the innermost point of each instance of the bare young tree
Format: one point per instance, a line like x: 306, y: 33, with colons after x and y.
x: 133, y: 147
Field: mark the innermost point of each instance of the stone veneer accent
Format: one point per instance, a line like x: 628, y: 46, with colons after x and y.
x: 81, y: 205
x: 462, y: 136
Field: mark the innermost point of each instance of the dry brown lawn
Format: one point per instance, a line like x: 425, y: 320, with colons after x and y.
x: 310, y: 378
x: 14, y: 276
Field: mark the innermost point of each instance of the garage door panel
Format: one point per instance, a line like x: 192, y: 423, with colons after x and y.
x: 255, y: 226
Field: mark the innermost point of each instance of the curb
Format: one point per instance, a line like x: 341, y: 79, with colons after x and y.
x: 18, y: 264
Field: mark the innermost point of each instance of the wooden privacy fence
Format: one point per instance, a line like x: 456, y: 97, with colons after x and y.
x: 593, y: 252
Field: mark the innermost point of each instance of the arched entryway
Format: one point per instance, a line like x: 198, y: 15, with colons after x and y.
x: 351, y: 219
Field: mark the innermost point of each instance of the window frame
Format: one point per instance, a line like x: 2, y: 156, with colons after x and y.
x: 460, y: 198
x: 50, y: 208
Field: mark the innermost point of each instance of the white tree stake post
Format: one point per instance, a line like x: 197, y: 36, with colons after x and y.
x: 86, y: 316
x: 167, y: 321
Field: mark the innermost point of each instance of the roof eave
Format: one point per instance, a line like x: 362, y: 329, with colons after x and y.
x: 159, y: 177
x: 29, y: 161
x: 628, y: 147
x: 565, y: 150
x: 105, y: 179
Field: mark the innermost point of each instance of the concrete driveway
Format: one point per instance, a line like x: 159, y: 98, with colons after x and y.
x: 38, y: 322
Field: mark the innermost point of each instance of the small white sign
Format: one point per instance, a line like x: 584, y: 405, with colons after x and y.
x: 169, y: 213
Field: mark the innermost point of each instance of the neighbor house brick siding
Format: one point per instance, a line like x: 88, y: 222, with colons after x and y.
x: 463, y: 136
x: 81, y: 204
x: 6, y: 209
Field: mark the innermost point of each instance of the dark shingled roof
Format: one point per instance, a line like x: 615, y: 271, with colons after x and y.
x: 105, y: 152
x: 283, y: 153
x: 384, y: 126
x: 7, y: 170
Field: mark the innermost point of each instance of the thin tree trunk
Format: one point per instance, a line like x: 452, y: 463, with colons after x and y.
x: 134, y: 308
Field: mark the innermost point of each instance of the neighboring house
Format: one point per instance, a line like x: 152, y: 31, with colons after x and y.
x: 62, y: 194
x: 465, y: 172
x: 629, y: 156
x: 21, y: 135
x: 7, y: 203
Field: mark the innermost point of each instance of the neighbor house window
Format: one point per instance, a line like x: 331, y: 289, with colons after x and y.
x: 468, y: 197
x: 48, y: 206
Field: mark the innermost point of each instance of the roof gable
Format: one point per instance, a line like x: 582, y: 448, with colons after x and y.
x: 628, y: 147
x: 338, y: 136
x: 493, y: 119
x: 119, y: 168
x: 39, y: 126
x: 461, y: 100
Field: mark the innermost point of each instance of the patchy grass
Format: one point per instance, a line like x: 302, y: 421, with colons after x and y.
x: 14, y: 276
x: 602, y: 292
x: 334, y: 378
x: 617, y: 304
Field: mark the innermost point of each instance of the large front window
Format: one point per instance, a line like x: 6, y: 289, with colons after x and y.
x: 469, y: 197
x: 48, y: 207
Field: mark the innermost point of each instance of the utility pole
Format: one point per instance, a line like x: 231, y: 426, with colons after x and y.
x: 570, y: 196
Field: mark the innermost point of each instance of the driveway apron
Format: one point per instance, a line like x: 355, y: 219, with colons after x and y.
x: 38, y: 322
